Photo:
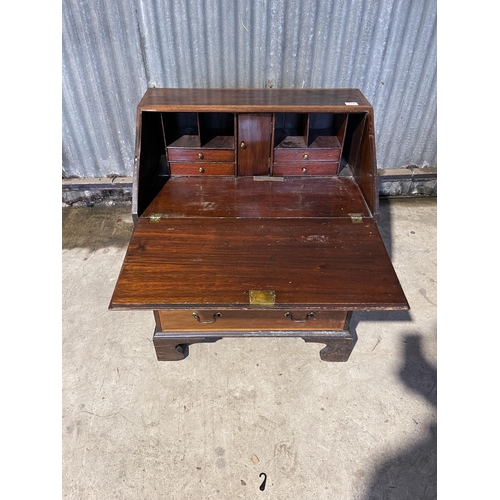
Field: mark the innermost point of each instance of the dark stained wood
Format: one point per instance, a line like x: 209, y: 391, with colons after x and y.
x: 284, y: 225
x: 185, y: 141
x: 306, y: 168
x: 169, y: 348
x: 325, y: 142
x: 254, y: 143
x: 293, y: 141
x: 149, y: 170
x: 176, y: 348
x: 337, y: 349
x: 200, y: 154
x: 212, y: 263
x: 245, y: 197
x: 306, y: 154
x: 201, y: 168
x: 220, y: 142
x: 253, y: 100
x: 362, y: 160
x: 231, y: 322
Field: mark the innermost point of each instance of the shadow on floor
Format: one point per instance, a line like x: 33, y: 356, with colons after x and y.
x: 96, y: 227
x: 411, y: 474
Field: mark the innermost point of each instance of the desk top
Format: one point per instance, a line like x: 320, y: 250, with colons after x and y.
x: 219, y: 196
x: 252, y: 100
x: 206, y: 263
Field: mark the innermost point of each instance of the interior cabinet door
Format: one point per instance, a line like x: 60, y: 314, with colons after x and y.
x: 254, y: 143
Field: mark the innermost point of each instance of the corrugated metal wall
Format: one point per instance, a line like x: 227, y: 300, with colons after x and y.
x: 113, y: 50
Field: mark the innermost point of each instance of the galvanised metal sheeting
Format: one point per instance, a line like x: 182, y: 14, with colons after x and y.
x: 112, y: 51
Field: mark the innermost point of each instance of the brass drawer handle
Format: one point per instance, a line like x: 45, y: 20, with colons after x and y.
x: 215, y: 316
x: 308, y: 316
x: 306, y: 156
x: 200, y: 156
x: 243, y: 145
x: 201, y: 170
x: 304, y: 170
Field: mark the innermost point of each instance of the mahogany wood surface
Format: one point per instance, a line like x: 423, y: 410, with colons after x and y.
x: 222, y: 233
x: 249, y: 320
x: 253, y: 100
x: 337, y: 349
x: 364, y: 166
x: 201, y: 168
x: 254, y: 143
x: 306, y: 168
x: 176, y: 348
x: 246, y: 197
x: 212, y: 263
x: 306, y: 154
x: 201, y: 155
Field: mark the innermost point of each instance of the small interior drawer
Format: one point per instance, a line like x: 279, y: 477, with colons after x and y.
x: 200, y: 154
x: 248, y: 320
x: 201, y: 168
x: 306, y: 154
x: 303, y: 168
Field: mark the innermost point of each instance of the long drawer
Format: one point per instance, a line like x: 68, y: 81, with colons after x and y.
x: 178, y: 168
x: 247, y: 320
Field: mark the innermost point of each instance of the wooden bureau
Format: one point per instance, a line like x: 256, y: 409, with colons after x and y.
x: 255, y: 216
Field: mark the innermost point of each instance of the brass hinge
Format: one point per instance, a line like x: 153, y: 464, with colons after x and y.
x: 356, y: 218
x: 155, y: 218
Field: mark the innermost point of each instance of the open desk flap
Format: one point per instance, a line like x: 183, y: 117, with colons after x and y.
x: 206, y: 263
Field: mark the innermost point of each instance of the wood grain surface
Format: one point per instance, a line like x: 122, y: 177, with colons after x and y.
x: 245, y: 197
x: 249, y: 320
x: 212, y: 263
x: 254, y: 144
x: 201, y: 168
x: 253, y: 100
x: 306, y: 168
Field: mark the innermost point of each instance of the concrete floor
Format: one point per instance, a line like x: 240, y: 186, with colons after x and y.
x: 208, y: 426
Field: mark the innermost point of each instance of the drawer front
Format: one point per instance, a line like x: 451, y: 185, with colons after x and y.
x: 177, y: 168
x: 200, y: 154
x: 311, y: 168
x: 244, y: 321
x: 306, y: 154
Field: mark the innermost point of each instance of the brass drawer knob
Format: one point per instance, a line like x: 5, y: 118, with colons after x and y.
x: 201, y: 170
x: 200, y: 156
x: 306, y: 156
x: 243, y: 145
x: 304, y: 170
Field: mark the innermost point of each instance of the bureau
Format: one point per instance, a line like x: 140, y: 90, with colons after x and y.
x: 255, y: 215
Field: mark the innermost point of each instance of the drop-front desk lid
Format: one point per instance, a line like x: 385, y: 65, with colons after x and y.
x: 226, y: 251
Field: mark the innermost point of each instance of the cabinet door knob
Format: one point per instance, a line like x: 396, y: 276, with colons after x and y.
x: 200, y: 156
x: 306, y: 156
x: 304, y: 170
x: 201, y: 170
x: 243, y: 145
